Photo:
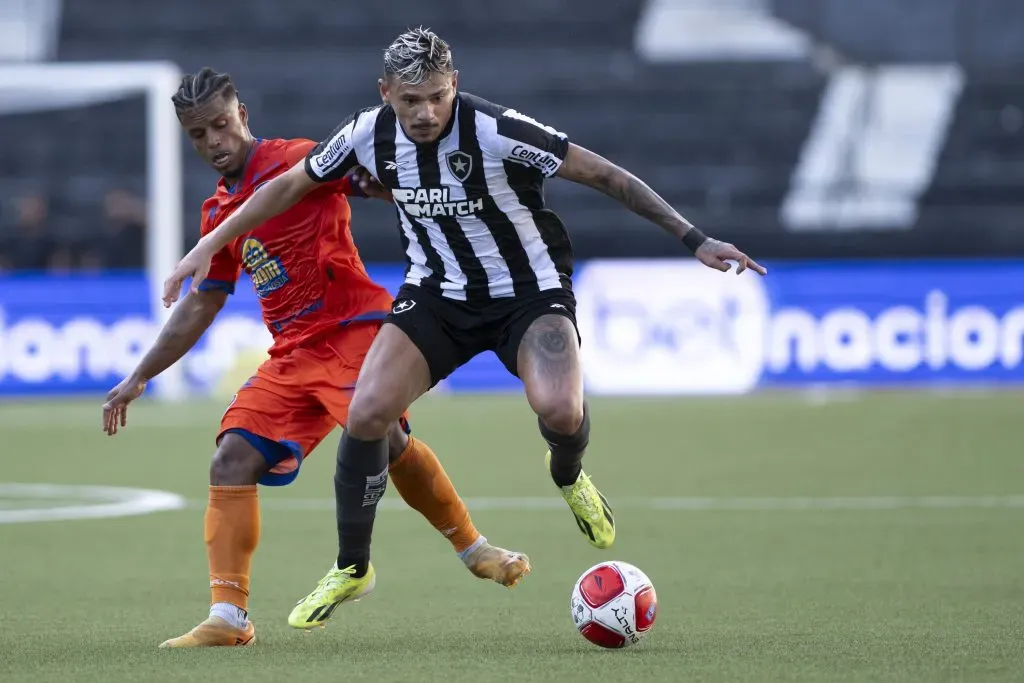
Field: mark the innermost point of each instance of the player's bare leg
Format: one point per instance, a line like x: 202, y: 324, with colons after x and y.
x: 393, y: 375
x: 232, y: 533
x: 422, y: 482
x: 548, y: 361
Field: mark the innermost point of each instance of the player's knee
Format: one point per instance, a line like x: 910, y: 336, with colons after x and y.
x: 369, y: 417
x: 560, y: 413
x: 236, y: 463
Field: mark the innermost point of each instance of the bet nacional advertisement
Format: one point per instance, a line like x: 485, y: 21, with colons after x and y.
x: 661, y: 327
x: 676, y: 327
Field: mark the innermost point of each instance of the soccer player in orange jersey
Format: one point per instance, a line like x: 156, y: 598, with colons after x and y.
x: 323, y: 312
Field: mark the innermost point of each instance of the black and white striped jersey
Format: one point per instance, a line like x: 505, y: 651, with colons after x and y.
x: 471, y: 205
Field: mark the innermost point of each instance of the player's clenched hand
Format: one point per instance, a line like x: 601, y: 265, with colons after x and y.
x: 369, y: 185
x: 115, y: 410
x: 715, y: 254
x: 196, y: 265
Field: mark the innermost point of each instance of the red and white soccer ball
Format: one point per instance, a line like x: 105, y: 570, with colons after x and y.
x: 613, y: 604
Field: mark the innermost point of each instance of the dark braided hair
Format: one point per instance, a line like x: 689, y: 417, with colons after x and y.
x: 201, y: 87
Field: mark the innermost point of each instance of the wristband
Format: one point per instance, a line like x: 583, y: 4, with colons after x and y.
x: 694, y: 238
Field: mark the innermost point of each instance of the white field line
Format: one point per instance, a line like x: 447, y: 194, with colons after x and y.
x: 687, y: 504
x: 55, y: 502
x: 94, y: 502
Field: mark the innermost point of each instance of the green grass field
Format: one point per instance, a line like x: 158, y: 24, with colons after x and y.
x: 867, y: 538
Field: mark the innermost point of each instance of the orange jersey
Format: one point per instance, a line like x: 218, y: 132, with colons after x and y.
x: 303, y: 264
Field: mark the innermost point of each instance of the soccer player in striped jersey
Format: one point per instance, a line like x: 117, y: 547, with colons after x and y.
x: 323, y: 312
x: 488, y: 268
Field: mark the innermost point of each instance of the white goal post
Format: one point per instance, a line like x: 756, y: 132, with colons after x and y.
x: 55, y: 85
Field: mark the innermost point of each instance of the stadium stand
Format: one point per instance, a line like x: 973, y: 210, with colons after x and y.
x: 718, y: 140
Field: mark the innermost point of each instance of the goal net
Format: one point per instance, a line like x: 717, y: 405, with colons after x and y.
x: 37, y: 354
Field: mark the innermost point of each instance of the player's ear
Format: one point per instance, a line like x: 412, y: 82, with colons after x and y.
x: 243, y: 114
x: 455, y: 80
x: 382, y: 84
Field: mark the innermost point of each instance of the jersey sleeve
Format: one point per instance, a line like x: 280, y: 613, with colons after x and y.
x: 224, y: 267
x: 335, y: 156
x: 524, y: 140
x: 300, y: 149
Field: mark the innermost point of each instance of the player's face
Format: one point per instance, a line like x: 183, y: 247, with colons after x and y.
x: 424, y: 109
x: 219, y: 132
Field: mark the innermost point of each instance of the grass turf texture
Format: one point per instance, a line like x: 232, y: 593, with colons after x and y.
x: 745, y: 595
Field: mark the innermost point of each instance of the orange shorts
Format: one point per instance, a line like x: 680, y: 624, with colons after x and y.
x: 294, y: 401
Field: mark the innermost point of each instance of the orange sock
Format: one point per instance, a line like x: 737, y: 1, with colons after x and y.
x: 425, y: 486
x: 232, y: 532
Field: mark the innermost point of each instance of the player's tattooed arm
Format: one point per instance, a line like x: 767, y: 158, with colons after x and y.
x: 585, y: 167
x: 591, y: 169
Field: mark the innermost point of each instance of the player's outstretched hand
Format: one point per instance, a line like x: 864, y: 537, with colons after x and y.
x: 369, y: 185
x: 716, y: 254
x: 115, y: 410
x: 196, y: 265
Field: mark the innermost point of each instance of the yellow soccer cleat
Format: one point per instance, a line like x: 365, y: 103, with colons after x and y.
x: 338, y: 586
x: 593, y: 514
x: 497, y: 564
x: 214, y: 632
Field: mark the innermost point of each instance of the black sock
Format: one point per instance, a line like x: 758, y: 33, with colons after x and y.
x: 360, y: 479
x: 567, y: 450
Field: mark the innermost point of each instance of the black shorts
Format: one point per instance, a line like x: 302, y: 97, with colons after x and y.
x: 449, y: 333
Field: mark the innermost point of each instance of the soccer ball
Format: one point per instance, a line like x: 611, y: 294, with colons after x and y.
x: 613, y: 604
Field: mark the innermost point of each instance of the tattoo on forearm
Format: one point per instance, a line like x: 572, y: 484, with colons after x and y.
x: 642, y: 200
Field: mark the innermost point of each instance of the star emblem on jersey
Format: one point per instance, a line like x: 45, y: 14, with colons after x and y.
x: 460, y: 164
x: 402, y: 306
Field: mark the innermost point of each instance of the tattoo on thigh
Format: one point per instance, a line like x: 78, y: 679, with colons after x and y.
x: 553, y: 341
x: 548, y: 345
